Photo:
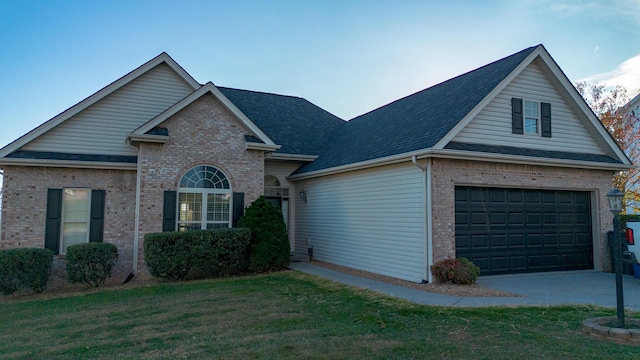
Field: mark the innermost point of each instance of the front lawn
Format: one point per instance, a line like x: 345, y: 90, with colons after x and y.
x: 287, y: 315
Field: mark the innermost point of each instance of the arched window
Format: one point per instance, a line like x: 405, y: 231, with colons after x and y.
x: 271, y: 181
x: 204, y: 199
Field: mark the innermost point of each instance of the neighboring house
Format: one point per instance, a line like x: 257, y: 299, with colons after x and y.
x: 633, y: 108
x: 505, y: 165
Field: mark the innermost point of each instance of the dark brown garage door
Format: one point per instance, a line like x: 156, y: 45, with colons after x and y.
x: 515, y: 230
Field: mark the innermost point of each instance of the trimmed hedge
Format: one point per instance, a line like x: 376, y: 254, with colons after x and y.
x: 25, y: 268
x: 217, y: 252
x: 269, y: 242
x: 457, y: 271
x: 90, y: 263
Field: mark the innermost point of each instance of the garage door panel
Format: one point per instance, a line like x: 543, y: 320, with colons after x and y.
x: 518, y: 230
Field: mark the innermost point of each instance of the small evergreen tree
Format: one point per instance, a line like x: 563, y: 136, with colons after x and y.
x: 269, y: 248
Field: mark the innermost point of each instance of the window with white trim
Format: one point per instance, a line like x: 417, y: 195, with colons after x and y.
x: 76, y: 210
x: 531, y: 117
x: 204, y: 199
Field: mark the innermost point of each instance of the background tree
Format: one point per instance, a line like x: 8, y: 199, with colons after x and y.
x: 623, y: 123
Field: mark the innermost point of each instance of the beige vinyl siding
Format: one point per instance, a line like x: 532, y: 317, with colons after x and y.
x: 570, y: 133
x: 281, y: 170
x: 371, y: 220
x: 102, y: 128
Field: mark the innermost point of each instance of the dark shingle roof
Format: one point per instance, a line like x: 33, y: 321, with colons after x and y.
x: 301, y: 127
x: 414, y: 122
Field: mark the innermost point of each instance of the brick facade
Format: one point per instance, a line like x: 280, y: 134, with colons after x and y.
x: 24, y: 208
x: 205, y: 132
x: 446, y: 174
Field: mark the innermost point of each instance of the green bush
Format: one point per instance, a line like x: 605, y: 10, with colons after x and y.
x: 25, y: 268
x: 457, y: 271
x: 216, y: 252
x: 90, y: 263
x: 269, y: 243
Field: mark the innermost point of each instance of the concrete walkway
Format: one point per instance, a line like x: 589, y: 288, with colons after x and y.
x: 587, y: 287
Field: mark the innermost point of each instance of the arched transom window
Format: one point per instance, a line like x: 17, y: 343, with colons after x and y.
x: 204, y: 199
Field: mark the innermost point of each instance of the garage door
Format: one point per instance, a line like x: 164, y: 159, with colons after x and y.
x: 515, y: 230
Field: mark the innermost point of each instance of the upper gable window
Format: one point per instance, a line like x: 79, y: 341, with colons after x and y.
x: 530, y: 117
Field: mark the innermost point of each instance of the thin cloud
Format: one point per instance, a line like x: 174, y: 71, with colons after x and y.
x: 626, y: 74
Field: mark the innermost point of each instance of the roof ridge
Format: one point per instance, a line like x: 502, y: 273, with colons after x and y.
x: 262, y: 92
x: 447, y: 81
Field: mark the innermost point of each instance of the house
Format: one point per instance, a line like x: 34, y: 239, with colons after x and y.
x: 631, y: 111
x: 505, y: 165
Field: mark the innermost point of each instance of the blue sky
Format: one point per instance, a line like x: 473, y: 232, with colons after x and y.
x: 346, y: 56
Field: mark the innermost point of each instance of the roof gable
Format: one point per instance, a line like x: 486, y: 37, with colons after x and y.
x: 417, y: 121
x: 108, y: 97
x: 208, y: 88
x: 571, y: 130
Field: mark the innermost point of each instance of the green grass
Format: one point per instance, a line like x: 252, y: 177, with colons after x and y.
x: 287, y: 315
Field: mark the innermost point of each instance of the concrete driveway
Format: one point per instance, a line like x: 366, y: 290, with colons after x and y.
x: 569, y: 287
x: 586, y: 287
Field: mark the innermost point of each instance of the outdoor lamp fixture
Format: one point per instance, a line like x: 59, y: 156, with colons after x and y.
x: 303, y: 195
x: 615, y: 205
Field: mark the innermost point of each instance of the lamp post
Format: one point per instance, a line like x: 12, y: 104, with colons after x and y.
x: 615, y: 204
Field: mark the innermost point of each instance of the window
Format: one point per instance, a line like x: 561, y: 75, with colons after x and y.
x: 74, y: 216
x: 204, y: 199
x: 277, y: 195
x: 531, y: 117
x: 76, y: 208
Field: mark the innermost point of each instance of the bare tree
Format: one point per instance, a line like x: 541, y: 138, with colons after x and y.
x: 623, y: 123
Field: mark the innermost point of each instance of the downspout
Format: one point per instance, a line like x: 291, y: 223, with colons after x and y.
x: 429, y: 215
x: 136, y: 230
x: 426, y: 227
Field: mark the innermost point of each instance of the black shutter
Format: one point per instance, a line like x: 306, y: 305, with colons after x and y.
x: 516, y: 116
x: 169, y: 211
x: 238, y: 207
x: 545, y: 110
x: 96, y: 225
x: 53, y: 218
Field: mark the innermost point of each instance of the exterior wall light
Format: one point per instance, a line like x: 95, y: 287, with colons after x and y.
x: 303, y: 195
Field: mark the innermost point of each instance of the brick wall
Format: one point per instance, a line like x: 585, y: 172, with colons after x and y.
x: 25, y: 206
x: 204, y: 132
x: 449, y: 173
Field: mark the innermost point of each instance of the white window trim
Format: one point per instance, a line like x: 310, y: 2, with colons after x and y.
x: 62, y: 219
x: 204, y: 192
x: 538, y: 118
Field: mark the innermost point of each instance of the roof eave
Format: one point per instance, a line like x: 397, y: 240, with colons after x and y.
x: 293, y: 157
x: 67, y: 164
x: 528, y: 160
x: 261, y: 147
x: 134, y: 139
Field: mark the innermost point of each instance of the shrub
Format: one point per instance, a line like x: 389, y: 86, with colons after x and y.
x: 25, y: 268
x: 457, y: 271
x: 216, y: 252
x: 169, y: 255
x: 223, y: 252
x: 90, y: 263
x: 269, y: 243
